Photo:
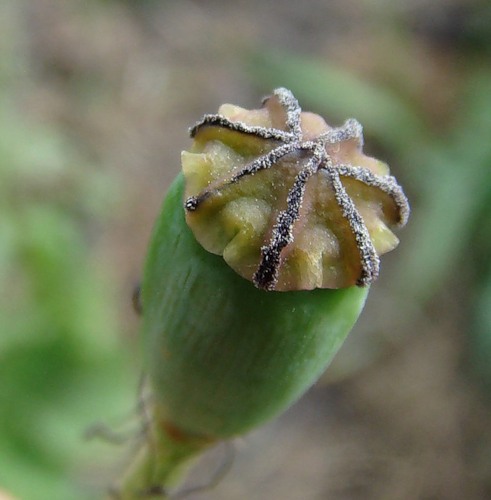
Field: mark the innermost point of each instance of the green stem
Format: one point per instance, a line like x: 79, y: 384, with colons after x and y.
x: 161, y: 463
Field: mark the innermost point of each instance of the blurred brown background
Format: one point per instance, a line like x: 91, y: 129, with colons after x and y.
x: 96, y: 98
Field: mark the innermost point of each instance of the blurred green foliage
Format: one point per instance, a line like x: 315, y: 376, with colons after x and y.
x: 62, y: 365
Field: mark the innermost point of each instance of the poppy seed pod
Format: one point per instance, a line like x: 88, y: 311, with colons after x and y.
x: 259, y: 266
x: 299, y: 214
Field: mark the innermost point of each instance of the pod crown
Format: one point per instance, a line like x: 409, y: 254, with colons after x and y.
x: 290, y: 202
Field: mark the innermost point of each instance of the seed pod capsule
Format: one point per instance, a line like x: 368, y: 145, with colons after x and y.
x: 296, y: 209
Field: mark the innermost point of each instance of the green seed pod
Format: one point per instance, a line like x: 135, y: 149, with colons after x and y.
x: 248, y: 290
x: 292, y: 205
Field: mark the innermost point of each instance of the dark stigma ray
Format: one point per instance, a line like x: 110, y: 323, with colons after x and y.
x: 292, y: 110
x: 266, y: 275
x: 261, y: 132
x: 262, y: 163
x: 387, y: 184
x: 370, y: 263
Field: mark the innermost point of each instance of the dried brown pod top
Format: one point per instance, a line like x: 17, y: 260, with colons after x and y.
x: 290, y: 202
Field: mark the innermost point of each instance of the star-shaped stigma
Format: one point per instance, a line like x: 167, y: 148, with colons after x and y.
x: 310, y: 155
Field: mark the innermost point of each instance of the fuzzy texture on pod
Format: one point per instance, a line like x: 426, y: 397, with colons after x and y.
x: 222, y: 355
